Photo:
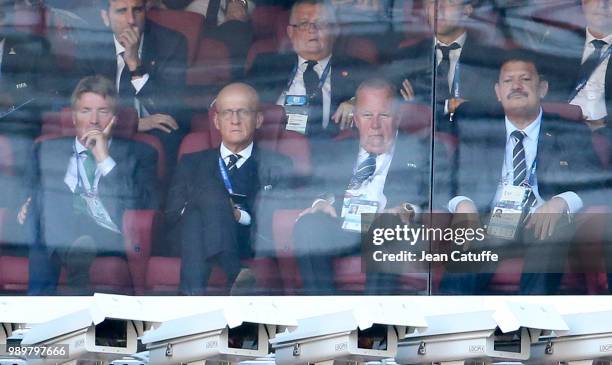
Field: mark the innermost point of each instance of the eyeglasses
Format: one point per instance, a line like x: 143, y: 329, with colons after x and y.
x: 227, y: 114
x: 305, y: 26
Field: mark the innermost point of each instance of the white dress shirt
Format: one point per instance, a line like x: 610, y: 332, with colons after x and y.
x: 297, y: 86
x: 453, y: 56
x: 591, y: 98
x: 245, y: 154
x: 373, y: 188
x: 102, y: 169
x: 530, y: 145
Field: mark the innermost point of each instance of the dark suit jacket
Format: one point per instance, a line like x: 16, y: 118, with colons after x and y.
x: 565, y: 160
x: 164, y: 58
x: 478, y: 72
x: 407, y: 179
x: 271, y: 71
x: 132, y: 184
x: 198, y: 185
x: 26, y: 69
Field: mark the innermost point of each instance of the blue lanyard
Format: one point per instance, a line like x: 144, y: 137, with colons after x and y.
x: 582, y: 83
x: 226, y: 179
x: 321, y: 80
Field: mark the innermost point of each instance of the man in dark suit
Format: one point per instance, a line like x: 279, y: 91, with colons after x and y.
x: 466, y: 68
x: 323, y: 80
x: 550, y: 162
x: 380, y: 171
x: 220, y: 197
x: 25, y: 64
x: 80, y: 188
x: 147, y: 62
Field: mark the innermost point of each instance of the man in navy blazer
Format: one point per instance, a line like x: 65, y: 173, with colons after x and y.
x: 222, y: 198
x: 312, y: 31
x: 147, y: 62
x: 553, y: 156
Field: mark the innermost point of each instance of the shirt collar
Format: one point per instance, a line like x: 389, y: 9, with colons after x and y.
x: 532, y: 130
x: 78, y: 146
x: 244, y: 154
x: 323, y: 62
x: 119, y: 49
x: 460, y: 40
x: 590, y: 37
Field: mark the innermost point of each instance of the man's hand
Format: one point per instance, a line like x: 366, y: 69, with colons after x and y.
x: 236, y: 10
x: 454, y: 103
x: 344, y: 115
x: 404, y: 211
x: 235, y: 210
x: 407, y: 91
x: 97, y: 141
x: 544, y: 220
x: 130, y: 40
x: 23, y: 211
x: 322, y: 206
x: 157, y: 121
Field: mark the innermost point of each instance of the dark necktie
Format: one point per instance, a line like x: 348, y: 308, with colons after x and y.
x: 589, y: 66
x: 126, y: 90
x: 231, y: 165
x: 315, y: 99
x: 364, y: 171
x: 519, y: 163
x: 442, y: 71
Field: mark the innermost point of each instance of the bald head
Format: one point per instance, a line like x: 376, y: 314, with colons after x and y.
x: 237, y: 116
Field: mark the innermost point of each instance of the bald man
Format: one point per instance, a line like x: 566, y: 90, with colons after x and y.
x: 214, y: 193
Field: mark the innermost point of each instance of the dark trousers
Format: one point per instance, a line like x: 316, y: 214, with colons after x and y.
x: 75, y: 253
x: 197, y: 261
x: 319, y: 239
x: 543, y: 264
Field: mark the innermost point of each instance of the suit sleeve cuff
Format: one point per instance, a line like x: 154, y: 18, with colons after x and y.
x: 106, y: 166
x: 139, y: 83
x: 245, y: 218
x: 452, y: 204
x: 574, y: 203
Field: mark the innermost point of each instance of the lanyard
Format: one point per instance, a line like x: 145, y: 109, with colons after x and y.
x: 582, y: 83
x: 321, y: 80
x: 226, y: 179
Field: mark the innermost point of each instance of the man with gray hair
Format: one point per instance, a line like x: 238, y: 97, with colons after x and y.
x: 312, y: 81
x: 382, y: 171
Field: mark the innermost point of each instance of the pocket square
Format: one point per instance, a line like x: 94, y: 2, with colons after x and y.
x: 411, y: 165
x: 563, y: 163
x: 267, y: 187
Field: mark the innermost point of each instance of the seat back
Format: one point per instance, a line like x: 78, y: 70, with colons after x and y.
x: 187, y: 23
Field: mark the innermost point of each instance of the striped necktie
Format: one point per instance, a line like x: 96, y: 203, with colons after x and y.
x: 364, y: 171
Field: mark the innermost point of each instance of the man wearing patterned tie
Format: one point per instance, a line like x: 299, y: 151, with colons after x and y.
x: 219, y: 198
x: 552, y: 159
x: 381, y: 171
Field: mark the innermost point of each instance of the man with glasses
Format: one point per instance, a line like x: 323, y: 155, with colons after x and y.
x: 217, y: 196
x: 312, y: 82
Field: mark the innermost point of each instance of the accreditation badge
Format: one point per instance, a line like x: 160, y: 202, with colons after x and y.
x: 296, y: 108
x: 353, y: 207
x: 508, y: 212
x: 96, y: 210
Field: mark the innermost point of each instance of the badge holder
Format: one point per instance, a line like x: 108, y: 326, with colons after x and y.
x: 96, y: 210
x: 353, y: 207
x: 508, y: 212
x: 296, y: 108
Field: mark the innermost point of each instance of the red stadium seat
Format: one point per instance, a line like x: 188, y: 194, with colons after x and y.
x: 269, y: 21
x: 199, y: 122
x: 187, y: 23
x: 194, y: 142
x: 564, y: 110
x: 361, y: 48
